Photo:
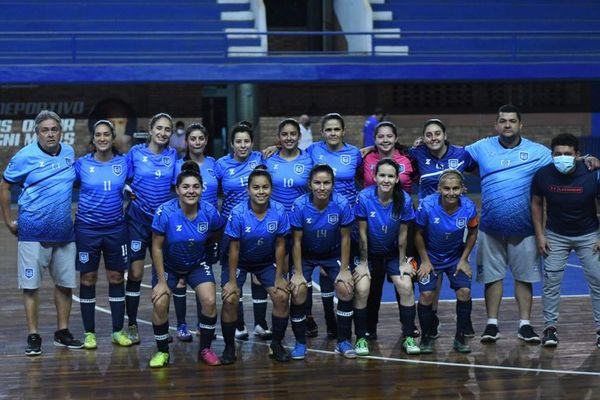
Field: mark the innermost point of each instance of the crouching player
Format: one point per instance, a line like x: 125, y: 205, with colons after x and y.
x: 441, y: 222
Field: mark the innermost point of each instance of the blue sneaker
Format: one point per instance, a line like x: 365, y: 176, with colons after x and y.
x: 345, y: 349
x: 299, y: 351
x: 183, y: 334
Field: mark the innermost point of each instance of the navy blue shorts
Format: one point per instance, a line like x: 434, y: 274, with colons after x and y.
x: 140, y: 235
x: 196, y: 276
x: 331, y: 266
x: 391, y: 265
x: 111, y: 242
x: 265, y: 275
x: 461, y: 280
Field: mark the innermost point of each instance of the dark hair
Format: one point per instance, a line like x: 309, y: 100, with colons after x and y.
x: 189, y: 169
x: 454, y: 172
x: 321, y: 168
x: 113, y: 108
x: 241, y: 127
x: 509, y: 108
x: 288, y: 121
x: 565, y: 139
x: 398, y: 194
x: 331, y: 116
x: 436, y: 122
x: 260, y: 170
x: 112, y: 131
x: 379, y: 111
x: 196, y: 126
x: 159, y: 116
x: 245, y: 123
x: 179, y: 124
x: 384, y: 124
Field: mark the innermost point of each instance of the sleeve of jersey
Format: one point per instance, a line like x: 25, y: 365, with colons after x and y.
x: 470, y: 163
x: 176, y: 171
x: 472, y: 150
x: 216, y: 221
x: 233, y: 229
x: 160, y: 221
x: 77, y: 168
x: 296, y: 216
x: 15, y: 172
x: 535, y: 184
x: 421, y: 216
x: 360, y: 211
x: 129, y: 165
x: 283, y: 227
x: 408, y: 212
x: 347, y: 215
x: 473, y: 218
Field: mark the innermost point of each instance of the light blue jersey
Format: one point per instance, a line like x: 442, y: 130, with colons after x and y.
x: 46, y: 187
x: 443, y: 233
x: 210, y: 184
x: 233, y: 176
x: 257, y: 237
x: 101, y: 192
x: 290, y: 177
x: 152, y: 178
x: 344, y: 162
x: 185, y: 246
x: 383, y: 226
x: 321, y: 237
x: 506, y: 176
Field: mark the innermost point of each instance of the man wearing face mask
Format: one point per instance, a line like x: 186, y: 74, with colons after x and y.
x: 177, y: 140
x: 570, y: 192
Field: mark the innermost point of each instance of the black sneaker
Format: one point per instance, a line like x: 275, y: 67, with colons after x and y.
x: 312, y: 330
x: 435, y: 328
x: 371, y: 336
x: 490, y: 334
x: 34, y: 345
x: 461, y: 345
x: 228, y: 356
x: 550, y: 338
x: 469, y: 332
x: 598, y: 339
x: 64, y: 338
x: 278, y: 352
x: 527, y: 334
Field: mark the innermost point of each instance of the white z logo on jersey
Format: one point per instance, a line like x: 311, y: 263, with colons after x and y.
x: 145, y: 159
x: 436, y: 220
x: 372, y: 214
x: 247, y: 229
x: 231, y: 171
x: 309, y: 220
x: 92, y: 169
x: 178, y: 228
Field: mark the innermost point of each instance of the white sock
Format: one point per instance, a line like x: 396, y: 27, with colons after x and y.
x: 524, y: 322
x: 492, y: 321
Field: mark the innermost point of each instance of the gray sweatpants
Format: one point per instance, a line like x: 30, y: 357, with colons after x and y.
x: 554, y: 268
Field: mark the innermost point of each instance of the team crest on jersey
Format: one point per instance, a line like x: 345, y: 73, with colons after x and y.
x: 203, y: 227
x: 461, y: 222
x: 333, y: 218
x: 453, y: 163
x: 167, y: 161
x: 272, y: 227
x: 252, y: 164
x: 211, y: 172
x: 425, y: 280
x: 136, y: 245
x: 345, y: 159
x: 524, y: 156
x: 84, y: 257
x: 68, y: 161
x: 28, y: 273
x: 117, y: 170
x: 299, y: 169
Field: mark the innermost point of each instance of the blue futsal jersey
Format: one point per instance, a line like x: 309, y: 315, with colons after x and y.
x: 46, y: 187
x: 210, y: 184
x: 290, y: 177
x: 152, y: 178
x: 443, y: 233
x: 344, y: 162
x: 383, y: 226
x: 431, y: 167
x: 101, y: 192
x: 506, y: 176
x: 185, y: 246
x: 257, y: 237
x: 234, y: 179
x: 321, y: 237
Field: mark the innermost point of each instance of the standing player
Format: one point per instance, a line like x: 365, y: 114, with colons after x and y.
x: 44, y: 228
x: 100, y: 229
x: 442, y: 219
x: 153, y: 166
x: 256, y: 230
x: 184, y: 232
x: 384, y: 212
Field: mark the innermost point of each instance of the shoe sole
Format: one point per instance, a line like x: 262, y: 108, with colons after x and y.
x: 185, y: 339
x: 89, y: 347
x: 58, y: 344
x: 302, y: 357
x: 362, y: 354
x: 416, y: 352
x: 462, y: 351
x: 550, y: 343
x: 121, y: 345
x: 489, y: 339
x: 469, y: 335
x: 33, y: 353
x: 278, y: 359
x: 534, y: 340
x: 346, y: 355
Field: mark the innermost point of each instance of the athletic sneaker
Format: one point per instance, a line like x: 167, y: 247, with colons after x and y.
x: 597, y: 339
x: 410, y: 346
x: 89, y: 341
x: 34, y: 345
x: 228, y: 356
x: 527, y: 334
x: 209, y: 358
x: 241, y: 335
x: 64, y: 338
x: 183, y: 334
x: 362, y: 347
x: 469, y: 332
x: 278, y: 352
x: 461, y: 345
x: 345, y: 349
x: 299, y: 351
x: 550, y: 338
x: 262, y: 333
x: 134, y: 334
x: 490, y: 334
x: 371, y: 336
x: 121, y: 338
x: 159, y: 360
x: 312, y: 330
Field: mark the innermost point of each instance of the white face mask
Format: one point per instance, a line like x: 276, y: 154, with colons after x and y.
x: 180, y: 131
x: 564, y: 164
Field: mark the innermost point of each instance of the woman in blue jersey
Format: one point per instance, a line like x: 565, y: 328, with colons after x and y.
x: 384, y: 212
x: 196, y: 137
x: 256, y: 230
x: 153, y: 166
x: 441, y: 220
x: 100, y: 229
x: 184, y: 231
x: 322, y: 222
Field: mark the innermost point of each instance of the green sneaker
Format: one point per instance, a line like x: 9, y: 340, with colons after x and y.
x: 159, y: 360
x: 134, y: 334
x: 461, y: 346
x: 121, y: 338
x: 410, y: 346
x: 89, y: 341
x: 362, y: 347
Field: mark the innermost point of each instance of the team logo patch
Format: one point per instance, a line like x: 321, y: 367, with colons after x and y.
x: 272, y: 227
x: 461, y: 222
x: 211, y: 172
x: 136, y: 245
x: 401, y: 168
x: 425, y: 280
x: 117, y: 170
x: 523, y: 156
x: 84, y: 257
x: 333, y: 218
x: 299, y: 169
x: 345, y: 159
x: 28, y: 273
x: 203, y: 227
x: 68, y: 161
x: 453, y: 163
x: 252, y: 164
x: 167, y: 161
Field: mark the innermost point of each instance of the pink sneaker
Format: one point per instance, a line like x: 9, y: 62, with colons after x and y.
x: 209, y: 357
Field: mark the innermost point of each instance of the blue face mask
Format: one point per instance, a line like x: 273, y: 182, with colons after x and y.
x: 564, y: 164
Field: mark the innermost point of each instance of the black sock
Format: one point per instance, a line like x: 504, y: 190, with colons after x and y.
x: 344, y: 320
x: 228, y: 330
x: 298, y: 322
x: 327, y: 294
x: 309, y: 300
x: 259, y: 305
x: 161, y: 334
x: 463, y: 316
x: 360, y: 322
x: 180, y: 303
x: 207, y: 330
x: 116, y: 298
x: 132, y: 300
x: 425, y: 318
x: 87, y: 296
x: 407, y: 318
x: 279, y: 327
x: 374, y: 300
x: 198, y: 308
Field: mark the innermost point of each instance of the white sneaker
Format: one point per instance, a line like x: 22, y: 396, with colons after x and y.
x: 262, y: 333
x: 241, y: 335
